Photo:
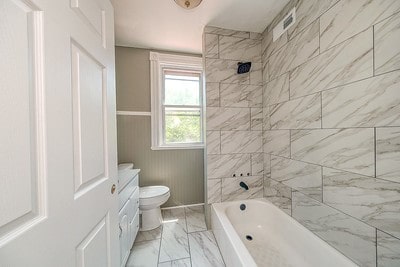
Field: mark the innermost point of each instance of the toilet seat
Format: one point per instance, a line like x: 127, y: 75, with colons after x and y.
x: 152, y: 191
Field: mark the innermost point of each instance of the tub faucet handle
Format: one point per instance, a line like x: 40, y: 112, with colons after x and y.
x: 244, y: 185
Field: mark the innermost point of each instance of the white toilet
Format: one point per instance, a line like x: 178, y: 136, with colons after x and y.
x: 150, y: 200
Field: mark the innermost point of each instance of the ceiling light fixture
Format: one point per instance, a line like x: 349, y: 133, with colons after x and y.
x: 188, y: 4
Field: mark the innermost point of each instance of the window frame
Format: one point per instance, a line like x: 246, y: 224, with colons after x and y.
x: 159, y: 63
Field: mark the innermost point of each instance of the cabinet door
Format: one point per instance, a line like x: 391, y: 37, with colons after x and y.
x: 124, y: 238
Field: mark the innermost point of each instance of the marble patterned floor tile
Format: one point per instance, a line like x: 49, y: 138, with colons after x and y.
x: 224, y: 71
x: 149, y: 235
x: 346, y: 149
x: 388, y: 153
x: 297, y: 51
x: 277, y: 142
x: 212, y: 95
x: 308, y: 11
x: 195, y: 219
x: 174, y: 241
x: 277, y: 90
x: 176, y: 263
x: 387, y: 55
x: 256, y: 121
x: 241, y: 142
x: 349, y: 17
x: 144, y: 254
x: 368, y: 103
x: 304, y: 177
x: 214, y: 193
x: 257, y: 164
x: 235, y: 48
x: 231, y: 190
x: 353, y: 238
x: 374, y: 201
x: 211, y: 45
x: 278, y: 194
x: 349, y: 61
x: 204, y: 250
x: 240, y: 96
x: 175, y: 215
x: 300, y: 113
x: 228, y: 119
x: 226, y: 32
x: 223, y: 166
x: 388, y: 249
x: 213, y: 142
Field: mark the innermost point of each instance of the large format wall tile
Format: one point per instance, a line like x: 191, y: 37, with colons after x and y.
x: 277, y: 90
x: 226, y: 32
x: 388, y: 153
x: 353, y: 238
x: 349, y: 17
x: 239, y: 49
x: 225, y: 71
x: 300, y: 113
x: 211, y: 45
x: 257, y: 164
x: 388, y: 249
x: 387, y: 54
x: 239, y: 95
x: 368, y: 103
x: 213, y: 142
x: 212, y: 94
x: 304, y: 177
x: 298, y: 50
x: 256, y: 119
x: 214, y: 190
x: 306, y: 12
x: 223, y: 166
x: 241, y: 141
x: 344, y: 63
x: 374, y: 201
x: 345, y: 149
x: 256, y: 74
x: 228, y: 118
x: 231, y: 190
x: 278, y: 194
x: 269, y: 47
x: 277, y: 142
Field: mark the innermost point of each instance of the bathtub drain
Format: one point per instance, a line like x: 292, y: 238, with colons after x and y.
x: 249, y: 237
x: 242, y: 206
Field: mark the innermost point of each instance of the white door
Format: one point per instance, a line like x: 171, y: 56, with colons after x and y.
x: 58, y: 134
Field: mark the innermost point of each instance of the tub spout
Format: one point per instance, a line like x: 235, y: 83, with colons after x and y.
x: 244, y: 185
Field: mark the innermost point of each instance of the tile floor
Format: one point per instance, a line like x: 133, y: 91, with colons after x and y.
x: 182, y: 240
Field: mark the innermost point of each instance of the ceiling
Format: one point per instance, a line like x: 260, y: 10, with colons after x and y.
x: 163, y: 25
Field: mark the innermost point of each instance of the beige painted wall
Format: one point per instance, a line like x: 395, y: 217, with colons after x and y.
x: 180, y: 170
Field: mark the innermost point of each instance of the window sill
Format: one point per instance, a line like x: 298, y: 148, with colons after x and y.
x: 177, y: 147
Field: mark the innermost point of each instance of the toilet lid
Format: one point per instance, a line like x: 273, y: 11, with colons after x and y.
x: 152, y: 191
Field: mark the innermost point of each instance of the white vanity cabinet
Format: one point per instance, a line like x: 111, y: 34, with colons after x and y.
x: 128, y: 184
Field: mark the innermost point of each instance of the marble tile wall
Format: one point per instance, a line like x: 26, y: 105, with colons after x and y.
x: 331, y: 124
x: 234, y: 115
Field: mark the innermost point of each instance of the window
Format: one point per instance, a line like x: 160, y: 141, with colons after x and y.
x: 177, y: 101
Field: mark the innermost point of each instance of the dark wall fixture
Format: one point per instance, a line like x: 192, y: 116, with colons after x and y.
x: 243, y: 67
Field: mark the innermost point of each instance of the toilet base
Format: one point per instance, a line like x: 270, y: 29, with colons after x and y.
x: 151, y: 219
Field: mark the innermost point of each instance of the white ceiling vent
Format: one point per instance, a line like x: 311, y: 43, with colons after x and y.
x: 284, y: 24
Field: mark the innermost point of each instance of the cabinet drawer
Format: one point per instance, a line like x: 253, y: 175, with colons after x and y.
x: 128, y: 191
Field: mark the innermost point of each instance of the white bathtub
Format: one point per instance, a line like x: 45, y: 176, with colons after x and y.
x: 278, y: 240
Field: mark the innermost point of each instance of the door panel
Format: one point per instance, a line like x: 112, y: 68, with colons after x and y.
x: 22, y: 146
x: 93, y: 250
x: 58, y: 152
x: 89, y: 107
